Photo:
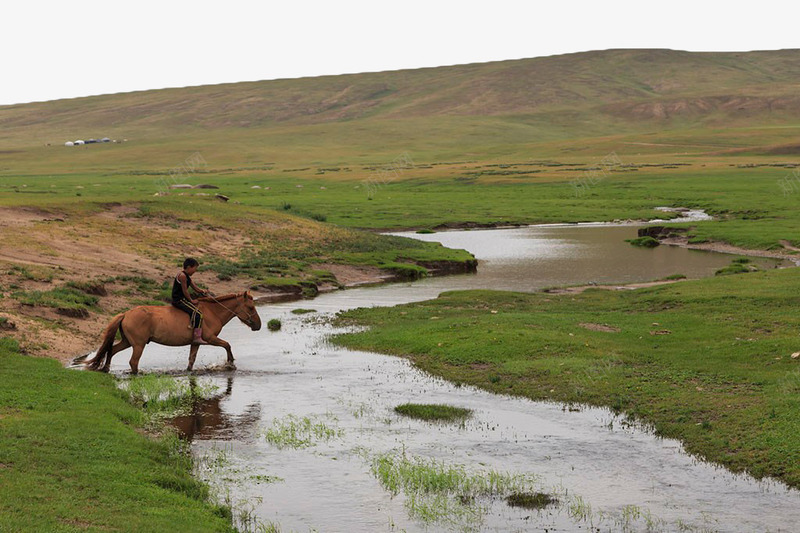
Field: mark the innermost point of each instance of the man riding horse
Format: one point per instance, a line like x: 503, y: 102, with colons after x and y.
x: 171, y: 325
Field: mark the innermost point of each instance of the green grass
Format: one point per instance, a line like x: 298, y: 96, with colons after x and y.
x: 162, y: 397
x: 530, y: 500
x: 292, y: 431
x: 438, y: 492
x: 72, y: 457
x: 737, y: 266
x: 58, y: 298
x: 274, y: 324
x: 707, y: 362
x: 301, y: 311
x: 433, y: 412
x: 644, y: 242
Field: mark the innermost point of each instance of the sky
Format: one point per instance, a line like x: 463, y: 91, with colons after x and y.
x: 53, y: 50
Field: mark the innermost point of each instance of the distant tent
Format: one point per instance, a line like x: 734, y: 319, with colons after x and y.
x: 105, y: 140
x: 79, y: 142
x: 69, y: 143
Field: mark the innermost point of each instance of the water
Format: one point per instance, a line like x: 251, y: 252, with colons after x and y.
x: 587, y: 458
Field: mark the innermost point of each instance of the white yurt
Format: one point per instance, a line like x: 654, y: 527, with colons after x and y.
x: 79, y: 142
x: 69, y: 143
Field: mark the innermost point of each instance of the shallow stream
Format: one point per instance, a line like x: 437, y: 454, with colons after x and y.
x: 606, y: 474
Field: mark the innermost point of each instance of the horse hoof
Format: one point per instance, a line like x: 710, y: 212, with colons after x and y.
x: 230, y: 366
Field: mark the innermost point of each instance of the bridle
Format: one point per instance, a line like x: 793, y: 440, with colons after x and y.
x: 247, y: 320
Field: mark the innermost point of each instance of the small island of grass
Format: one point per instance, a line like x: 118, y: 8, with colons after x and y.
x: 433, y: 412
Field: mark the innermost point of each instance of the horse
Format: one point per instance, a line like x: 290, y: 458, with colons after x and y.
x: 168, y: 325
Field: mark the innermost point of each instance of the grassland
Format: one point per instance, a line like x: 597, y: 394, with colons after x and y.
x: 73, y: 458
x: 304, y: 163
x: 708, y: 362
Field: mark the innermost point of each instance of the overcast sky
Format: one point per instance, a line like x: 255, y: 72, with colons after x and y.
x: 64, y: 49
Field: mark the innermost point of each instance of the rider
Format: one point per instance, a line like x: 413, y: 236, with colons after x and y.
x: 183, y: 300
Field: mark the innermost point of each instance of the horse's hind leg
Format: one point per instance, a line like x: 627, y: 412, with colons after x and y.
x: 137, y: 354
x: 121, y: 345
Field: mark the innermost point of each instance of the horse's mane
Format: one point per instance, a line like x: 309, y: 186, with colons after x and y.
x: 222, y: 298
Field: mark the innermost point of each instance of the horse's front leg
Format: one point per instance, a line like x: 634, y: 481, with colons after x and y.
x: 192, y: 356
x: 216, y: 341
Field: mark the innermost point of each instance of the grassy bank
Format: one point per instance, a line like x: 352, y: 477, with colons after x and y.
x: 707, y: 362
x: 72, y: 458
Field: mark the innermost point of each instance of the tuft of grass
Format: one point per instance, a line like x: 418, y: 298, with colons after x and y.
x: 292, y: 431
x: 673, y: 277
x: 301, y: 311
x: 530, y: 500
x: 437, y: 492
x: 433, y: 412
x: 274, y: 324
x: 737, y: 266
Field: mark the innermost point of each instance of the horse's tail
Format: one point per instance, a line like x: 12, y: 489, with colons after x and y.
x: 108, y: 342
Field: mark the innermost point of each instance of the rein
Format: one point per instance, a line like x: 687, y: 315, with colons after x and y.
x: 214, y: 299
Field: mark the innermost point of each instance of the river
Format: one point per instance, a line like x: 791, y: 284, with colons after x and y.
x: 608, y: 475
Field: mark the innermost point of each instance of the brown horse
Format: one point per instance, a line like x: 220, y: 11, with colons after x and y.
x: 170, y: 326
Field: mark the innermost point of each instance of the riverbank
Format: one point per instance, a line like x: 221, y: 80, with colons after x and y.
x: 65, y: 270
x: 708, y: 362
x: 74, y: 457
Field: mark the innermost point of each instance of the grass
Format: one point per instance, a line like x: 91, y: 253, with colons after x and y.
x: 292, y: 431
x: 737, y: 266
x: 530, y: 500
x: 301, y: 311
x: 707, y: 362
x: 72, y: 457
x: 644, y: 242
x: 62, y: 298
x: 162, y: 397
x: 405, y: 150
x: 438, y: 492
x: 274, y: 324
x: 433, y: 412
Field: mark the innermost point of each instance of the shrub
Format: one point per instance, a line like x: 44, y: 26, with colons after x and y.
x: 274, y: 324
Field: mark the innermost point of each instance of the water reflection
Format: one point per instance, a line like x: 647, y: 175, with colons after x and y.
x: 208, y: 420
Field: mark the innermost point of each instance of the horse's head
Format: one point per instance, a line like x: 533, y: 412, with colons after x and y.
x: 247, y: 313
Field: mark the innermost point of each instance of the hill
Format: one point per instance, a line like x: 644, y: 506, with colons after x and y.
x: 437, y: 112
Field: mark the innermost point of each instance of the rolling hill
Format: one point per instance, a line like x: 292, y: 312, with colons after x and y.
x: 459, y: 108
